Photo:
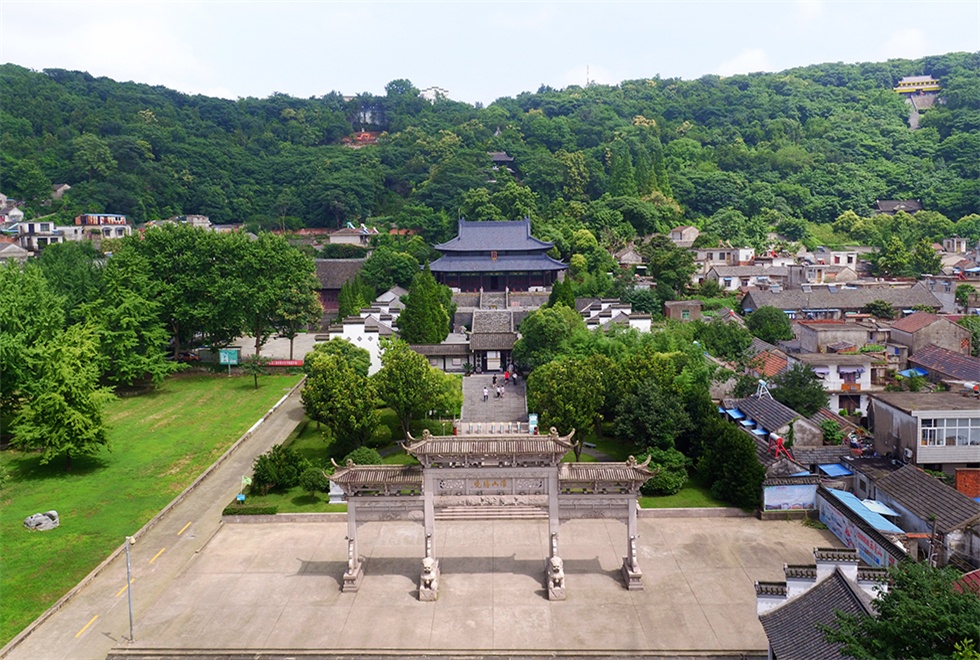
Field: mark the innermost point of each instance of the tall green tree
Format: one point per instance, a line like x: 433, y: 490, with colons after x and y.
x: 562, y: 293
x: 800, y: 389
x: 567, y: 395
x: 271, y: 271
x: 769, y: 324
x: 356, y: 357
x: 131, y: 335
x: 298, y: 308
x: 543, y: 335
x: 31, y: 316
x: 424, y: 320
x: 342, y: 399
x: 653, y: 416
x: 408, y: 385
x: 63, y: 409
x: 668, y: 264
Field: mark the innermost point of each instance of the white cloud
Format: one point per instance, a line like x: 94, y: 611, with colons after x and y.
x: 123, y: 42
x: 749, y: 60
x: 809, y: 10
x: 907, y: 43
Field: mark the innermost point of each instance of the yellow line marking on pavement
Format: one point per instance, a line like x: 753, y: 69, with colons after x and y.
x: 123, y: 590
x: 157, y: 555
x: 79, y: 633
x: 183, y: 529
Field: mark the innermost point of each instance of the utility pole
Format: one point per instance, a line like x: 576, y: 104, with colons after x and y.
x: 129, y: 586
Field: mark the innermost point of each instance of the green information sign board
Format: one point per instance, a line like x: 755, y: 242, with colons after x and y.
x: 228, y: 356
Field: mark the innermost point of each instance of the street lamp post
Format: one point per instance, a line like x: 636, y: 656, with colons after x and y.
x: 129, y: 585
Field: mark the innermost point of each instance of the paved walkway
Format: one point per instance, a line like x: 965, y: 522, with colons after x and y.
x: 97, y: 617
x: 511, y: 408
x: 276, y: 586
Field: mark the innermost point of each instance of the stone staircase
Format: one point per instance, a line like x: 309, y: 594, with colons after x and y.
x: 493, y: 300
x: 492, y: 513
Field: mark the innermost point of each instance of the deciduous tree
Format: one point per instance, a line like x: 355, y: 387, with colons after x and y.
x: 944, y: 617
x: 62, y: 413
x: 340, y: 398
x: 800, y: 389
x: 769, y: 324
x: 408, y: 385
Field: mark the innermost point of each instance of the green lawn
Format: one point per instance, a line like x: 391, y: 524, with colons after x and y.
x: 160, y: 442
x: 694, y: 495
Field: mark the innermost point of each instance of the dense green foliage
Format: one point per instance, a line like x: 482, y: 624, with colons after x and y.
x: 736, y: 156
x: 340, y: 396
x: 278, y: 468
x: 653, y: 389
x: 945, y: 617
x: 426, y: 318
x: 411, y: 387
x: 800, y: 389
x: 769, y: 324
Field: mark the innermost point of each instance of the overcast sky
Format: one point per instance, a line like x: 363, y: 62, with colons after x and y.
x: 478, y: 51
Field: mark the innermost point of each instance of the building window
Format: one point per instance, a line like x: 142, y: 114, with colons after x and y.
x: 950, y: 432
x: 685, y: 314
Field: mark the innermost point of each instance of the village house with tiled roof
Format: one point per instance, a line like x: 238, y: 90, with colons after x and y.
x: 922, y: 329
x: 925, y: 503
x: 944, y: 365
x: 832, y: 302
x: 793, y: 612
x: 936, y: 430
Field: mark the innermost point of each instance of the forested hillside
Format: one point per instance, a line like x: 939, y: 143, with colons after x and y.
x: 736, y: 156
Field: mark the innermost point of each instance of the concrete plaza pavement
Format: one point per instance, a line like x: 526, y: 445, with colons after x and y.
x: 275, y: 588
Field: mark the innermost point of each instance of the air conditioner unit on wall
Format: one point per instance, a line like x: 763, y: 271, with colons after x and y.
x: 907, y: 454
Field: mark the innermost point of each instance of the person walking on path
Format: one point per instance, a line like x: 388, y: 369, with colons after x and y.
x: 501, y: 391
x: 495, y: 381
x: 485, y: 395
x: 506, y: 377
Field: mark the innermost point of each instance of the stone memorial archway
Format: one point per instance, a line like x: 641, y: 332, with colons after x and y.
x: 491, y: 472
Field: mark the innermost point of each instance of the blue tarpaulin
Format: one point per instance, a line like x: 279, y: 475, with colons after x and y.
x: 914, y: 371
x: 735, y: 413
x: 835, y: 470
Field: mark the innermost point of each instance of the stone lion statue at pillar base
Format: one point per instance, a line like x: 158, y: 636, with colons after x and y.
x: 429, y: 580
x: 556, y: 579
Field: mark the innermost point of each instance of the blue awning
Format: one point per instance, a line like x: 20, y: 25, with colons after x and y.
x: 721, y: 410
x: 735, y: 413
x: 805, y: 473
x: 760, y: 432
x: 747, y: 422
x: 914, y: 371
x: 835, y: 470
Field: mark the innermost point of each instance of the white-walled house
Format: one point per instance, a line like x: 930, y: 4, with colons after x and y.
x: 366, y: 333
x: 846, y: 377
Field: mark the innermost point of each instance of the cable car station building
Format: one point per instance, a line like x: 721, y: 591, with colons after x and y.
x: 496, y: 256
x: 488, y: 474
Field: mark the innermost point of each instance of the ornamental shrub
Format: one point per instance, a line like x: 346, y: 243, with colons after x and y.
x: 672, y: 474
x: 278, y: 468
x: 314, y: 481
x: 364, y: 456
